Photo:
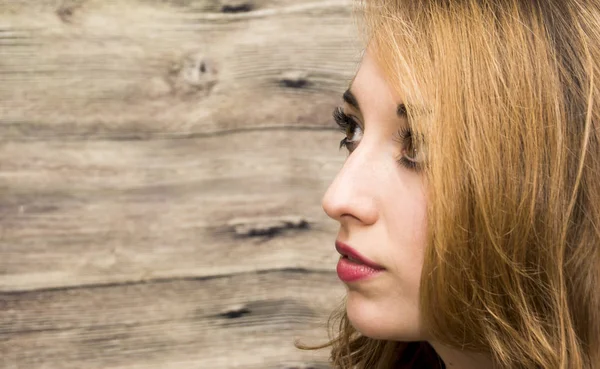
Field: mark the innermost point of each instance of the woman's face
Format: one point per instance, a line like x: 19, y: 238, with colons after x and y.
x: 379, y: 200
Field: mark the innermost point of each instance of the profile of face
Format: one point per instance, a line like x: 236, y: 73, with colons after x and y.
x: 378, y: 198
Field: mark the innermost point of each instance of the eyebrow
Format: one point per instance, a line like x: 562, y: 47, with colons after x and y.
x: 351, y: 100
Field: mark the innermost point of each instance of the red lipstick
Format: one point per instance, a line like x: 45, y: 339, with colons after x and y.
x: 352, y: 266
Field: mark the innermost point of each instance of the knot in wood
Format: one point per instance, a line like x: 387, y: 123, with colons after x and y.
x: 64, y: 13
x: 236, y: 6
x: 196, y: 73
x: 294, y: 79
x: 235, y: 312
x: 67, y: 8
x: 253, y: 227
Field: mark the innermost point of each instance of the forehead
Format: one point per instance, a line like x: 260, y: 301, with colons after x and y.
x: 371, y: 88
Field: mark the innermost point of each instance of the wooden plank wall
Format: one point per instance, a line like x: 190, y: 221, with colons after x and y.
x: 162, y: 164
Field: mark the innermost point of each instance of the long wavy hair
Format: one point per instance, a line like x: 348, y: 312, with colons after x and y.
x: 505, y: 98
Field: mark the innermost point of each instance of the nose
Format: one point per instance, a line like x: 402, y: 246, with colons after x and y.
x: 352, y: 194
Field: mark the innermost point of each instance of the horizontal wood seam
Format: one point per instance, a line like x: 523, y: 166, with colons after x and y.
x: 157, y: 137
x: 165, y: 280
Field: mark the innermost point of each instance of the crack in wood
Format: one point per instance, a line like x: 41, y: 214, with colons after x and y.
x: 235, y: 313
x: 85, y: 329
x: 267, y: 227
x: 237, y: 7
x: 7, y: 133
x: 269, y: 311
x: 17, y: 293
x: 294, y: 79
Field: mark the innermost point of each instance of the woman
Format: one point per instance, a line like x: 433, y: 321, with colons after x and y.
x: 469, y: 204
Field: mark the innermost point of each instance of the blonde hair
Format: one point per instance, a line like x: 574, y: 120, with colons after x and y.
x: 505, y: 95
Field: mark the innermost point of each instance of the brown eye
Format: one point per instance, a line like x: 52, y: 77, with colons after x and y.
x: 349, y: 131
x: 411, y: 151
x: 349, y: 126
x: 353, y: 132
x: 412, y: 157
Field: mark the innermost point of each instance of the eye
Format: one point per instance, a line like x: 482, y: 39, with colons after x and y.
x: 350, y: 127
x: 412, y: 157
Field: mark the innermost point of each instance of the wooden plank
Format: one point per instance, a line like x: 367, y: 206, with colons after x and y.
x: 161, y: 170
x: 244, y: 321
x: 136, y: 69
x: 93, y: 212
x: 211, y: 7
x: 78, y: 208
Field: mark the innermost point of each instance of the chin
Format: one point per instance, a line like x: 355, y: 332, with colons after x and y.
x: 391, y: 321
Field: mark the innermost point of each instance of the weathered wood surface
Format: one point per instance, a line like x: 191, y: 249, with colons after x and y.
x: 238, y: 321
x: 92, y: 212
x: 162, y: 164
x: 132, y: 69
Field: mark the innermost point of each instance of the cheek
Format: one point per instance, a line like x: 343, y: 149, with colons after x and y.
x: 407, y: 227
x: 393, y: 312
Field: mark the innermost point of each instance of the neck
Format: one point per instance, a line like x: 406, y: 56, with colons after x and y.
x: 458, y: 359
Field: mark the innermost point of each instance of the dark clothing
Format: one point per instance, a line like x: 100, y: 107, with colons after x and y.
x: 419, y: 355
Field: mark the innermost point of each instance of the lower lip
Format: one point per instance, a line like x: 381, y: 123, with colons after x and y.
x: 349, y: 271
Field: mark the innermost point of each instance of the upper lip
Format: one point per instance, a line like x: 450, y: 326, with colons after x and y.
x: 346, y: 250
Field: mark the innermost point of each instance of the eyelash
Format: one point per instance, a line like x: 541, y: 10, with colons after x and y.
x: 403, y: 137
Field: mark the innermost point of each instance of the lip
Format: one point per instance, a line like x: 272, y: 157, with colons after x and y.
x: 346, y: 250
x: 350, y: 271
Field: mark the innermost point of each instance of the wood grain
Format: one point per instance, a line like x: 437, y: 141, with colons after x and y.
x: 105, y: 212
x: 162, y: 165
x: 137, y: 69
x: 249, y: 320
